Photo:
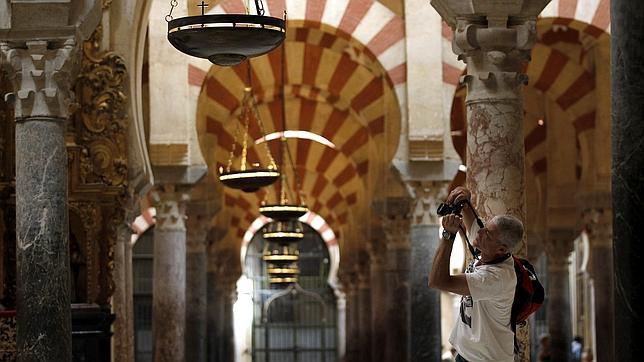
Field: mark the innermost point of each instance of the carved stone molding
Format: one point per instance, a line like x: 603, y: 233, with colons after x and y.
x: 41, y: 77
x: 427, y: 196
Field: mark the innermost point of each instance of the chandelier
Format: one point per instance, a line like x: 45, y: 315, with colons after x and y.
x: 226, y: 39
x: 283, y: 233
x: 248, y: 178
x: 285, y: 227
x: 282, y: 265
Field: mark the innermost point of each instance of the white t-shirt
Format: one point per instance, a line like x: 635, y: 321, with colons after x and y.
x: 482, y: 331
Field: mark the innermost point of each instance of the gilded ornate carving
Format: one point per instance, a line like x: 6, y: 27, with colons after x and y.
x: 102, y: 115
x: 90, y: 216
x: 98, y: 158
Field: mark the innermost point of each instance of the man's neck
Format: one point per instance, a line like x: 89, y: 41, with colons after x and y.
x: 494, y: 258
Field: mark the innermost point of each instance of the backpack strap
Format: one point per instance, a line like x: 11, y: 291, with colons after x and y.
x: 476, y: 254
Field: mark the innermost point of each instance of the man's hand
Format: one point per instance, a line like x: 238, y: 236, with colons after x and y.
x: 452, y: 223
x: 458, y: 195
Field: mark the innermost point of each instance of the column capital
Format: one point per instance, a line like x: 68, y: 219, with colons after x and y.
x: 598, y: 224
x: 395, y: 216
x: 492, y: 13
x: 170, y: 203
x: 427, y: 195
x: 494, y: 38
x: 198, y: 224
x: 559, y: 244
x: 41, y: 73
x: 377, y: 253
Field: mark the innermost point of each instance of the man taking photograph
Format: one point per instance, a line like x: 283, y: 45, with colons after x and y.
x: 482, y: 331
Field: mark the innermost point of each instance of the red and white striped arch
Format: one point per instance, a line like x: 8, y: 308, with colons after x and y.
x: 345, y: 80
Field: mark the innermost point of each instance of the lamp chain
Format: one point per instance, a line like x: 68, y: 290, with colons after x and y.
x: 173, y: 4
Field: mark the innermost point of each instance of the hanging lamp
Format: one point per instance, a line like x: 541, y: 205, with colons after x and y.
x: 283, y: 274
x: 286, y: 227
x: 280, y: 255
x: 226, y: 39
x: 248, y: 179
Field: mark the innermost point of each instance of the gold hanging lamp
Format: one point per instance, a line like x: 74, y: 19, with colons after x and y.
x: 286, y: 227
x: 248, y: 178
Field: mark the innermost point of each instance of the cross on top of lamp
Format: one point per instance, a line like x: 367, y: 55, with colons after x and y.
x: 226, y: 39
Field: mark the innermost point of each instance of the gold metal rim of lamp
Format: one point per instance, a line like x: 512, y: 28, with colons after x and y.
x: 280, y: 257
x: 282, y: 280
x: 283, y: 234
x: 283, y: 212
x: 282, y: 270
x: 245, y: 174
x: 249, y: 180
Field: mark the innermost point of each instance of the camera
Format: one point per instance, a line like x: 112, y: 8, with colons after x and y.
x: 446, y: 209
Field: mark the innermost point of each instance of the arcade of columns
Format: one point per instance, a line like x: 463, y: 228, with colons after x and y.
x: 388, y: 313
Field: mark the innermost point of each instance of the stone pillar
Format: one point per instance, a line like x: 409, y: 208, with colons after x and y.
x: 495, y: 54
x: 41, y: 75
x: 396, y: 225
x: 627, y: 63
x: 122, y: 299
x: 198, y: 224
x: 169, y: 284
x: 425, y: 301
x: 229, y: 295
x: 377, y: 253
x: 214, y: 314
x: 558, y: 248
x: 364, y: 315
x: 341, y: 303
x: 353, y: 335
x: 597, y: 216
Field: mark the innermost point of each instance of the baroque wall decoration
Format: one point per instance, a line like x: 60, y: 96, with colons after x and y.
x: 98, y: 184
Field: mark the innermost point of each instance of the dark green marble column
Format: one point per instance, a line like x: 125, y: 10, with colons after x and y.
x: 425, y: 302
x: 40, y: 73
x: 627, y: 62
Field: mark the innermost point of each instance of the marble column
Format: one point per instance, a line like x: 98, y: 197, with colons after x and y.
x: 425, y: 301
x: 341, y: 339
x: 41, y: 74
x: 213, y: 315
x: 597, y: 217
x: 377, y: 254
x: 122, y: 299
x: 352, y: 353
x: 396, y: 224
x: 196, y: 283
x: 495, y: 54
x: 229, y: 295
x: 558, y: 247
x: 169, y: 274
x: 627, y: 68
x: 364, y: 316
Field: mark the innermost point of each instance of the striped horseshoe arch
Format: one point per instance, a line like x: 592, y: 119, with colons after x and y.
x: 344, y: 81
